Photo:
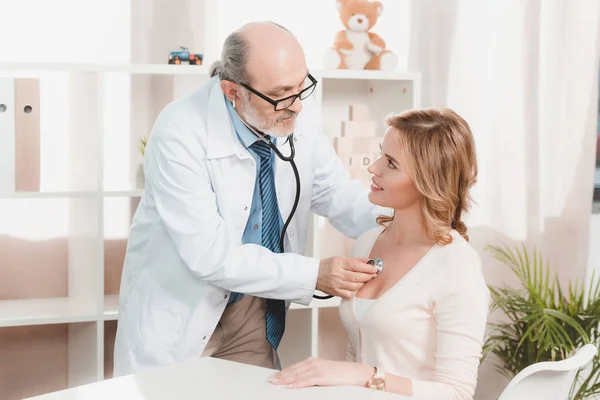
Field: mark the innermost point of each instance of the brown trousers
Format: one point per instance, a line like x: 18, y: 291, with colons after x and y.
x: 241, y: 335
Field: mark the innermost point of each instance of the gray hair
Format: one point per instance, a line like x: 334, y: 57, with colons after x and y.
x: 234, y: 58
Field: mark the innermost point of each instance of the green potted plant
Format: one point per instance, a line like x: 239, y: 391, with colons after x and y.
x: 541, y: 321
x: 139, y: 178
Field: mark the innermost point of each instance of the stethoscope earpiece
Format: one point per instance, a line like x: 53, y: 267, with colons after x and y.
x: 378, y: 263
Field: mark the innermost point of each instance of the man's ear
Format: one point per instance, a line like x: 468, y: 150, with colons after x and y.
x: 230, y: 89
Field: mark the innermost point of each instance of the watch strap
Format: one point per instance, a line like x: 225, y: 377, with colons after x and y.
x: 377, y: 380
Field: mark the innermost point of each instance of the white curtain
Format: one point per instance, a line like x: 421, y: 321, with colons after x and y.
x: 524, y: 74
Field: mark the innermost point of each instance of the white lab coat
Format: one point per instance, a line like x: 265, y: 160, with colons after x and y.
x: 185, y: 255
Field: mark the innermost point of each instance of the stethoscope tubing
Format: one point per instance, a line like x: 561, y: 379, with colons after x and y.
x: 290, y: 159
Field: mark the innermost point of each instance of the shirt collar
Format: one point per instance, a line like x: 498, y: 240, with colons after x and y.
x: 244, y: 134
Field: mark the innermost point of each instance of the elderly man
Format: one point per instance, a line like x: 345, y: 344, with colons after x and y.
x: 204, y: 273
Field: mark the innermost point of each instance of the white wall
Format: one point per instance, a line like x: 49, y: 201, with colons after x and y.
x: 315, y: 23
x: 43, y: 30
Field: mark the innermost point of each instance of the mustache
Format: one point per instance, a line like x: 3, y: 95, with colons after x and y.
x: 288, y: 114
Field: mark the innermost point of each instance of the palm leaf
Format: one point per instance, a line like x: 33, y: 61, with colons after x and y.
x: 542, y: 321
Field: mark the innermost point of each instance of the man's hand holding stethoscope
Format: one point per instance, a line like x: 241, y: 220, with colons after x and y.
x: 340, y: 276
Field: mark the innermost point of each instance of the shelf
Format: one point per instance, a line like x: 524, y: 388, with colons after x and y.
x: 44, y: 311
x: 50, y: 195
x: 70, y: 195
x: 124, y: 193
x: 142, y: 69
x: 167, y: 69
x: 316, y: 303
x: 111, y: 307
x: 364, y: 74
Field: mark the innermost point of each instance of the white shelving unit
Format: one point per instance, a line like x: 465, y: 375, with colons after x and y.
x: 62, y: 247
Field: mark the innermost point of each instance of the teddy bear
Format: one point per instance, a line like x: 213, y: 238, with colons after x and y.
x: 355, y: 47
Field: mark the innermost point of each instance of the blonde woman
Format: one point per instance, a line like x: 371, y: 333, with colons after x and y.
x: 418, y: 328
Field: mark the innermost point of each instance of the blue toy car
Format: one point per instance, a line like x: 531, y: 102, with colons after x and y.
x: 183, y: 54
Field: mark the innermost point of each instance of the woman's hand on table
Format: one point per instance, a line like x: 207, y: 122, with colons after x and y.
x: 319, y: 372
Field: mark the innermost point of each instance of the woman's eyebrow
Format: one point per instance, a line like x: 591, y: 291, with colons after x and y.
x: 387, y: 155
x: 391, y: 158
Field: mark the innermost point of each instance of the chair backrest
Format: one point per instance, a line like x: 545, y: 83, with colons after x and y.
x: 548, y: 380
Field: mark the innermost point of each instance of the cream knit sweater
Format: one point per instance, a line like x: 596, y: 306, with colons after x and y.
x: 429, y: 327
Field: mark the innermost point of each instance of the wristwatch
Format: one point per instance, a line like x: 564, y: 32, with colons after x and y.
x: 377, y: 381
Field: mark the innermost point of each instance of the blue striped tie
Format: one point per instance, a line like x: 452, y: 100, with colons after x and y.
x: 270, y: 237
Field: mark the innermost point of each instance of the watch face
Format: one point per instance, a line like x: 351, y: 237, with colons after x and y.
x: 378, y: 384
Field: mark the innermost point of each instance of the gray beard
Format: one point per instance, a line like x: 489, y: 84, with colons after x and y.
x: 256, y: 121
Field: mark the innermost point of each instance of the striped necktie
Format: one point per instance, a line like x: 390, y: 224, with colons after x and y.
x: 275, y: 309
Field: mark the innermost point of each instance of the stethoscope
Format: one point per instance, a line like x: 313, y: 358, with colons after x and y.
x: 290, y: 139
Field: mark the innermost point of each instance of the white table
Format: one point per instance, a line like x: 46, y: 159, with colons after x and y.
x: 207, y: 378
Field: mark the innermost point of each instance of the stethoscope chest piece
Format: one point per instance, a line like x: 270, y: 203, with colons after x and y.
x: 378, y: 263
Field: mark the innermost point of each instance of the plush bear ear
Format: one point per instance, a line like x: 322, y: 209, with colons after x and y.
x: 340, y: 3
x: 378, y: 6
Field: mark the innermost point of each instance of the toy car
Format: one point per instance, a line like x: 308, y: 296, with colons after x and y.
x: 183, y: 54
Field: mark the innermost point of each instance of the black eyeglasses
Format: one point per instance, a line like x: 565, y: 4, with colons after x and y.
x: 287, y: 102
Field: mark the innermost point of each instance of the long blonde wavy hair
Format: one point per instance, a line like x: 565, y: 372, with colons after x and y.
x: 439, y: 152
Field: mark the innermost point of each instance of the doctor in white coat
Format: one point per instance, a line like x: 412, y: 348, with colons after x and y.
x: 203, y: 275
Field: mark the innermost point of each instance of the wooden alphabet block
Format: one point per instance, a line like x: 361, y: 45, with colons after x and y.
x: 365, y: 160
x: 359, y: 112
x: 357, y: 161
x: 356, y: 129
x: 361, y: 145
x: 348, y: 160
